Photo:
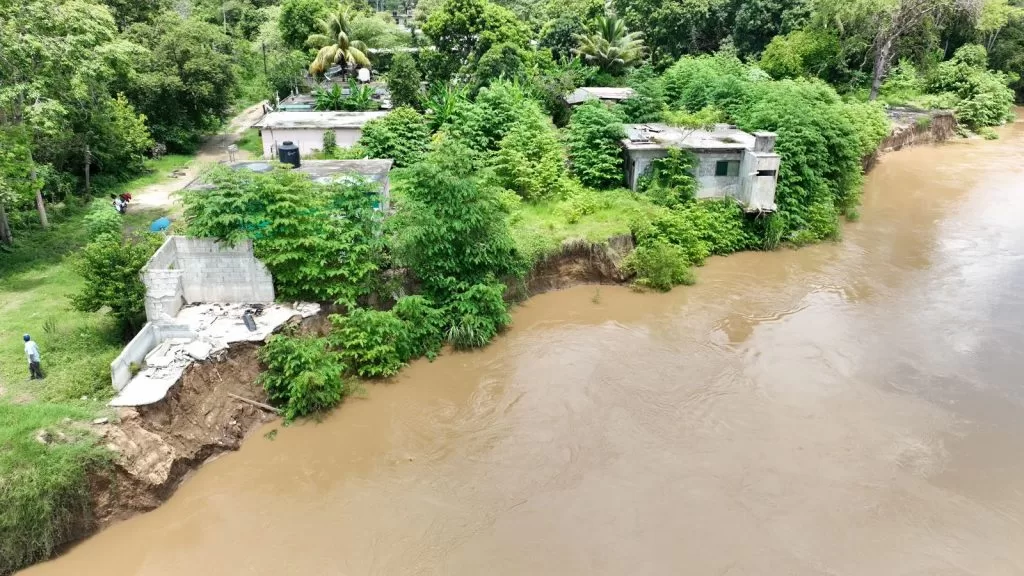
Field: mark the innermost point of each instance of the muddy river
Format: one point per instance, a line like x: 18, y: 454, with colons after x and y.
x: 850, y: 409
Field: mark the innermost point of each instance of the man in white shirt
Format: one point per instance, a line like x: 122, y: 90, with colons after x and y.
x: 32, y: 353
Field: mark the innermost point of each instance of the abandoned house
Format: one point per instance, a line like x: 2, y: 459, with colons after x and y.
x: 730, y: 162
x: 605, y: 95
x: 306, y: 129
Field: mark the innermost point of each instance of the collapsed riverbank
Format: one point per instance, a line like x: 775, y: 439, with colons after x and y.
x: 159, y: 446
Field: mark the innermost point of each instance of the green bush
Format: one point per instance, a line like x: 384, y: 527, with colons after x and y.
x: 671, y: 180
x: 424, y: 327
x: 659, y: 266
x: 580, y: 202
x: 299, y: 229
x: 648, y: 101
x: 482, y: 124
x: 984, y: 98
x: 699, y: 228
x: 452, y: 230
x: 103, y: 220
x: 477, y: 315
x: 303, y: 375
x: 110, y: 267
x: 402, y: 135
x: 369, y: 341
x: 593, y: 138
x: 404, y: 81
x: 530, y: 160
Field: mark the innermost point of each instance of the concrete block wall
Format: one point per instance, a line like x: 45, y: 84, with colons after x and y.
x: 214, y: 272
x: 148, y: 338
x: 711, y: 186
x: 135, y: 351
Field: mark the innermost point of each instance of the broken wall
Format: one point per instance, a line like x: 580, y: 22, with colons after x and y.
x: 201, y: 270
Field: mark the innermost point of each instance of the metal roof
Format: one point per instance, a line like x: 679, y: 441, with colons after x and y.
x: 317, y: 120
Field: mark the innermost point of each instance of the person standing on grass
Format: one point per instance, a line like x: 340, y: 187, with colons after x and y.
x: 32, y: 353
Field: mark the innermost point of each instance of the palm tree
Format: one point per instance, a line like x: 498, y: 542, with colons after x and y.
x: 335, y: 44
x: 609, y: 45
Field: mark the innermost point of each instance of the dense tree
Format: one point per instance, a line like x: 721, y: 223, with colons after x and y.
x: 758, y: 21
x: 464, y: 30
x: 335, y: 44
x: 184, y: 81
x: 404, y: 81
x: 402, y: 136
x: 299, y: 19
x: 128, y: 12
x: 593, y: 141
x: 110, y: 268
x: 502, y: 61
x: 675, y: 27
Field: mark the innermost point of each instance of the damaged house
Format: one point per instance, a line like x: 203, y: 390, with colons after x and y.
x: 731, y: 163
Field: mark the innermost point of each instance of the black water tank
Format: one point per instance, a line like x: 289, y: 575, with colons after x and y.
x: 288, y: 153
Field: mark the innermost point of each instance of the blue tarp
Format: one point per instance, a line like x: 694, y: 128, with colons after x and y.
x: 160, y: 224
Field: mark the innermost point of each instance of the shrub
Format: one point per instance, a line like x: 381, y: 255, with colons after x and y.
x: 110, y: 267
x: 477, y: 315
x: 303, y: 375
x: 530, y: 160
x: 593, y: 140
x: 648, y: 100
x: 481, y: 125
x: 580, y: 202
x: 671, y: 180
x: 699, y: 229
x: 984, y: 97
x: 330, y: 143
x: 424, y: 327
x: 401, y: 135
x: 299, y: 228
x: 404, y: 81
x: 659, y: 265
x: 369, y: 342
x: 452, y: 230
x: 103, y: 220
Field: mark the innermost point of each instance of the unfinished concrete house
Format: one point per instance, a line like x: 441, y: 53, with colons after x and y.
x: 730, y: 162
x: 201, y: 297
x: 306, y: 129
x: 605, y: 95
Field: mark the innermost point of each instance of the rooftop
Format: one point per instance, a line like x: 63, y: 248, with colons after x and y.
x: 657, y: 136
x: 581, y: 95
x: 317, y: 120
x: 326, y: 171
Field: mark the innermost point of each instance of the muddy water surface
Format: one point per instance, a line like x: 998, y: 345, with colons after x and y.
x: 853, y: 408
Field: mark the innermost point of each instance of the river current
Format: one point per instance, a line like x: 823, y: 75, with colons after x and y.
x: 851, y: 408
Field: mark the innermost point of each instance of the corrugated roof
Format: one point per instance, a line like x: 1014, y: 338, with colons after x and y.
x: 317, y: 120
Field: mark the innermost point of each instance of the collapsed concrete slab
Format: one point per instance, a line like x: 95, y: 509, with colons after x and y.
x: 199, y: 294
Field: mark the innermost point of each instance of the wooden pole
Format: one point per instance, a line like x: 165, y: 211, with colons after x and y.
x: 267, y: 407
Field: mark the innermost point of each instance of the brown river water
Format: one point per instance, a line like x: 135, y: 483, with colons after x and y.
x: 854, y: 408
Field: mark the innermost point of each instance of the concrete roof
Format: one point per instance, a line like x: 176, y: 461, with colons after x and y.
x: 657, y: 136
x: 581, y: 95
x: 317, y: 120
x: 325, y: 171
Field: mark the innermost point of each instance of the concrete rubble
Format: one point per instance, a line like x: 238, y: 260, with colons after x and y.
x: 211, y: 329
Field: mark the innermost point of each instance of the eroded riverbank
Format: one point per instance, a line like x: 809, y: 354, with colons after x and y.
x: 849, y: 408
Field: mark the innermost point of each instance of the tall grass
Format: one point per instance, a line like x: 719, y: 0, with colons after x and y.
x: 43, y: 490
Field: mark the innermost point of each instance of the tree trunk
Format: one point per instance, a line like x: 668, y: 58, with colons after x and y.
x: 881, y: 66
x: 5, y: 227
x: 87, y: 162
x: 40, y: 205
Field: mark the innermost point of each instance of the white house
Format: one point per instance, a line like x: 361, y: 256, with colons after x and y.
x: 730, y: 162
x: 306, y: 129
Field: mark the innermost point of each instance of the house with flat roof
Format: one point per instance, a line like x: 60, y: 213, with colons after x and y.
x: 306, y: 129
x: 731, y: 163
x: 374, y: 171
x: 605, y: 94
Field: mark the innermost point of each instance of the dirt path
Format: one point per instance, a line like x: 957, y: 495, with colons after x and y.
x: 213, y: 150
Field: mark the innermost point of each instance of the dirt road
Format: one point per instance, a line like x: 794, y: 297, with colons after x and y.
x: 213, y: 150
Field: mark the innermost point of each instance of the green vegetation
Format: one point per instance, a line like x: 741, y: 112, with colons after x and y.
x: 298, y: 229
x: 251, y: 143
x: 493, y: 171
x: 302, y: 375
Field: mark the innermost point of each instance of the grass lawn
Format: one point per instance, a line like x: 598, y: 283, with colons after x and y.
x: 251, y: 143
x: 43, y: 485
x: 595, y: 216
